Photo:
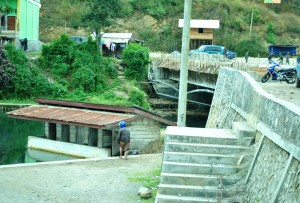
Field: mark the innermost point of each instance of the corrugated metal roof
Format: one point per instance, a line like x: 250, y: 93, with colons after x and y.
x: 101, y: 107
x: 214, y: 24
x: 71, y: 116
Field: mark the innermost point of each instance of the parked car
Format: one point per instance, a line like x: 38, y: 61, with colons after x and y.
x: 78, y: 39
x: 230, y: 54
x: 210, y: 49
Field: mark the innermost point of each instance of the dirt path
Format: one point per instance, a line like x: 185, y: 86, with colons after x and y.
x: 106, y: 181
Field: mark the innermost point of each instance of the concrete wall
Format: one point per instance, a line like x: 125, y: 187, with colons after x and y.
x: 274, y: 175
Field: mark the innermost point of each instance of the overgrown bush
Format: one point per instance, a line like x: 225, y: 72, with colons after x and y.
x: 85, y: 77
x: 136, y: 58
x: 27, y: 81
x: 253, y: 45
x: 270, y: 36
x: 80, y: 64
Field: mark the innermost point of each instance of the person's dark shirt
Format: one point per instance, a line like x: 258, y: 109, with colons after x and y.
x: 124, y: 135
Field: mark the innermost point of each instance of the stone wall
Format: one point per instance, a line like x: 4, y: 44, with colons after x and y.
x: 274, y: 175
x: 32, y: 45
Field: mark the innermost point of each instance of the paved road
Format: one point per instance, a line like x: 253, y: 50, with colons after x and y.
x: 84, y: 181
x: 282, y: 90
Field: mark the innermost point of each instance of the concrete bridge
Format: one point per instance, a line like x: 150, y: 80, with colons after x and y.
x: 164, y: 73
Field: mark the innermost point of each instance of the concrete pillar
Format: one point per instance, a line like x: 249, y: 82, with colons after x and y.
x: 58, y: 132
x: 46, y: 130
x: 100, y: 138
x: 79, y: 138
x: 65, y: 133
x: 72, y: 134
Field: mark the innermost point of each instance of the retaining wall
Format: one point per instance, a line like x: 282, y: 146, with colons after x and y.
x: 274, y: 175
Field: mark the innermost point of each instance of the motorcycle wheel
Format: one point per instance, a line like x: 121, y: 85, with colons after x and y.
x: 291, y: 79
x: 266, y: 77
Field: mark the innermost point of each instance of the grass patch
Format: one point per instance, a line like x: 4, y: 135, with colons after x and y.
x: 149, y: 179
x: 32, y: 54
x: 13, y: 101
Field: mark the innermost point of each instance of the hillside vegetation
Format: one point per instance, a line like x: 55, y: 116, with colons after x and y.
x: 156, y: 22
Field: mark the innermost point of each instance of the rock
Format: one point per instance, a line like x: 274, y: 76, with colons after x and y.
x: 144, y: 192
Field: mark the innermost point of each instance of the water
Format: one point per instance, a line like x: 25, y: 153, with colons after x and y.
x: 14, y: 135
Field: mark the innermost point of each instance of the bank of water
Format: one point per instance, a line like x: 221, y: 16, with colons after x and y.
x: 14, y: 135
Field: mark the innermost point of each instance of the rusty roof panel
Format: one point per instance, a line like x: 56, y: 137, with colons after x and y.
x: 81, y: 117
x: 134, y: 110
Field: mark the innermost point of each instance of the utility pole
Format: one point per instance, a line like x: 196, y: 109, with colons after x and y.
x: 182, y: 100
x: 251, y: 20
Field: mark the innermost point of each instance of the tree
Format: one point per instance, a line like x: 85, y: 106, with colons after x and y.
x: 136, y: 58
x: 100, y: 14
x: 270, y: 36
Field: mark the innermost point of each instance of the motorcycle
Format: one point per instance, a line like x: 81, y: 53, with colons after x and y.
x: 282, y: 74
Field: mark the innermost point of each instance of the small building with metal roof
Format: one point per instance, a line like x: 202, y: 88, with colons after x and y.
x: 201, y: 32
x: 283, y: 49
x: 94, y: 125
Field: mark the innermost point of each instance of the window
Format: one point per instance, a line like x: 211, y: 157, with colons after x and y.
x: 200, y: 30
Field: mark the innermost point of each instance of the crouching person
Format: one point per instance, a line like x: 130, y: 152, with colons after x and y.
x: 123, y: 139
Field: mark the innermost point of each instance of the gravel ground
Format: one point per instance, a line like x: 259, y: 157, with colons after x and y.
x: 282, y: 90
x: 80, y: 181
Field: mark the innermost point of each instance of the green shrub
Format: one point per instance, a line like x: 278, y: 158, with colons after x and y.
x: 253, y: 45
x: 60, y: 70
x: 139, y: 98
x: 15, y: 56
x: 136, y: 58
x: 59, y: 91
x: 270, y: 36
x: 84, y: 77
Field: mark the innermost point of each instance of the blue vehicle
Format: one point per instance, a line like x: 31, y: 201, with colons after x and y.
x: 298, y: 72
x: 230, y: 54
x: 79, y: 39
x: 210, y: 49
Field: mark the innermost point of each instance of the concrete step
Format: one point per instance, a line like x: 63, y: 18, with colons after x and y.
x: 187, y: 157
x: 209, y: 169
x: 197, y: 179
x: 245, y: 132
x: 201, y: 135
x: 121, y: 77
x: 204, y: 148
x: 198, y: 191
x: 184, y: 199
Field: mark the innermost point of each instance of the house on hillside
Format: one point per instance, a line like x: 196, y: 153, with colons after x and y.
x: 21, y: 24
x: 114, y: 43
x: 90, y: 125
x: 201, y: 32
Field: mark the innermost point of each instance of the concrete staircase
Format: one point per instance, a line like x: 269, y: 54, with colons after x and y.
x: 204, y: 165
x: 120, y: 71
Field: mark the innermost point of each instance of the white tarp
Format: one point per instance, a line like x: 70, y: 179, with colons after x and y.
x: 214, y: 24
x: 117, y: 37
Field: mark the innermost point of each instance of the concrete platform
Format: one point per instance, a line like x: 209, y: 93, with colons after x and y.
x: 80, y: 181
